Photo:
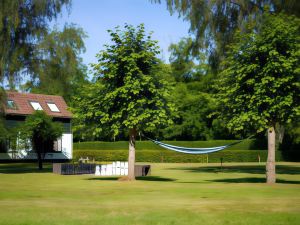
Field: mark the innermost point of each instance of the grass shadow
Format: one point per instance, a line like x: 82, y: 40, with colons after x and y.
x: 18, y: 168
x: 255, y: 169
x: 252, y: 180
x: 155, y: 178
x: 103, y: 178
x: 146, y: 178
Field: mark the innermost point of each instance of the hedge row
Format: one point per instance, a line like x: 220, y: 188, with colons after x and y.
x: 249, y: 144
x: 175, y: 157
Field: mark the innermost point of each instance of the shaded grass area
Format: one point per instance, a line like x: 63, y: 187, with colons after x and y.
x: 231, y: 168
x: 174, y: 194
x: 21, y: 168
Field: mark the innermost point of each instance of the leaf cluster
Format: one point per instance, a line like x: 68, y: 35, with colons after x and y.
x: 129, y: 90
x: 259, y: 86
x: 214, y: 23
x: 22, y: 24
x: 39, y: 127
x: 57, y: 62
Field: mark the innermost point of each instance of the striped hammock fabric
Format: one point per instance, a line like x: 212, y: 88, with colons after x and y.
x: 188, y: 150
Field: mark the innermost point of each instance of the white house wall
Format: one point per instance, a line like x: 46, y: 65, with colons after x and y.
x: 67, y: 145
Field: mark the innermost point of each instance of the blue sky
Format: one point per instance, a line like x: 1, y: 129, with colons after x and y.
x: 97, y: 16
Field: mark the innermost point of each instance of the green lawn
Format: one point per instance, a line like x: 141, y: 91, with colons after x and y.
x: 174, y: 194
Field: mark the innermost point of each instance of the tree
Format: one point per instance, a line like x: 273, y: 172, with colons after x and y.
x: 58, y: 63
x: 193, y: 108
x: 22, y: 23
x: 128, y: 92
x: 214, y: 22
x: 42, y: 132
x: 181, y: 60
x: 259, y: 87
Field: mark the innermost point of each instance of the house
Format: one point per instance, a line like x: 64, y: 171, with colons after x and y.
x: 18, y: 107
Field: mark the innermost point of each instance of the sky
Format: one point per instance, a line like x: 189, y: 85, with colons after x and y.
x: 97, y: 16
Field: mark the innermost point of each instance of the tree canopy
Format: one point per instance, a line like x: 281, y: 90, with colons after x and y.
x: 260, y: 85
x: 22, y: 23
x: 129, y: 91
x: 214, y: 22
x: 42, y: 132
x: 58, y: 62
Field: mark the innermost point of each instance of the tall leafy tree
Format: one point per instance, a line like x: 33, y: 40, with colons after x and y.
x: 214, y: 22
x: 42, y: 132
x: 22, y: 23
x: 260, y: 85
x: 58, y: 62
x: 129, y: 92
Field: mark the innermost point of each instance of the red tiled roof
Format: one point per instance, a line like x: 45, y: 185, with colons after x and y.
x: 22, y: 101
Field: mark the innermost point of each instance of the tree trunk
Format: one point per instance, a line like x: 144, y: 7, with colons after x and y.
x: 37, y: 147
x: 40, y: 163
x: 131, y: 155
x: 270, y: 166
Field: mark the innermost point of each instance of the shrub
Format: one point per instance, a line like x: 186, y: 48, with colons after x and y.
x: 249, y: 144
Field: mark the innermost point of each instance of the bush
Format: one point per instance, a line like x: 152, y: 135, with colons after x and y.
x: 249, y: 144
x: 175, y: 157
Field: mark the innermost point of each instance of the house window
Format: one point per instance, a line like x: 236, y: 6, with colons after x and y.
x: 36, y: 106
x: 53, y: 107
x: 11, y: 105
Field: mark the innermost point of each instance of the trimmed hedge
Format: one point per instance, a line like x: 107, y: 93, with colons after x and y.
x: 249, y: 144
x: 175, y: 157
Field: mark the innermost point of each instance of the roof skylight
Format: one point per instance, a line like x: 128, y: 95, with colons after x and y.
x: 11, y: 105
x: 36, y: 106
x: 53, y: 107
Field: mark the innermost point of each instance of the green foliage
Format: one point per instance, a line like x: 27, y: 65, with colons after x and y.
x: 42, y: 132
x: 291, y: 141
x: 128, y: 91
x: 260, y: 85
x: 40, y: 126
x: 3, y: 130
x: 2, y: 127
x: 249, y: 144
x: 158, y: 156
x: 22, y: 23
x: 194, y: 107
x: 58, y: 63
x: 214, y: 22
x: 184, y: 64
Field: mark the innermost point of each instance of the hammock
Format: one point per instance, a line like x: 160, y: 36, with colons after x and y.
x: 188, y: 150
